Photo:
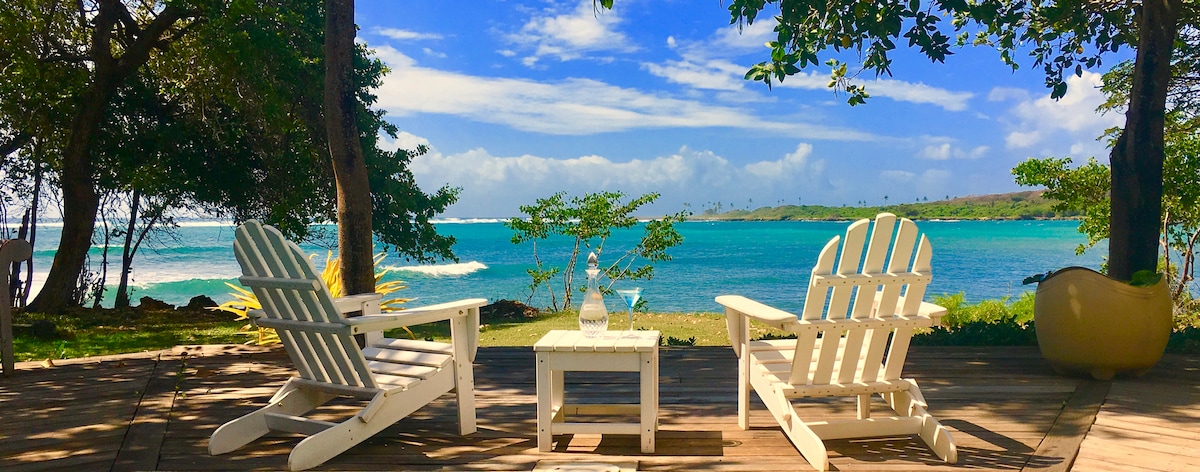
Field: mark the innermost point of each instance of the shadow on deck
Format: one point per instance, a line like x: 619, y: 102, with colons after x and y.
x: 1007, y: 410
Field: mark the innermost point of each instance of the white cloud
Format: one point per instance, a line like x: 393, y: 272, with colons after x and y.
x: 432, y: 53
x: 1001, y: 94
x: 1070, y: 124
x: 793, y: 164
x: 701, y: 74
x: 898, y: 90
x: 404, y: 140
x: 748, y: 37
x: 571, y: 35
x: 405, y: 35
x: 902, y: 91
x: 710, y: 65
x: 571, y: 106
x: 497, y: 185
x: 1020, y: 139
x: 945, y: 151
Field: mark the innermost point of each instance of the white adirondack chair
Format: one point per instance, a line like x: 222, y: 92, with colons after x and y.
x: 852, y: 314
x: 397, y: 376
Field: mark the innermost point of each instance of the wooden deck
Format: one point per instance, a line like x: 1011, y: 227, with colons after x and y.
x: 1006, y: 407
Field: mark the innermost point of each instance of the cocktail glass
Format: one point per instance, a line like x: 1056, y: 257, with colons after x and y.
x: 631, y: 297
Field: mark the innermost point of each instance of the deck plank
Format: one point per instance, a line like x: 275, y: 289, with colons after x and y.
x: 1005, y: 407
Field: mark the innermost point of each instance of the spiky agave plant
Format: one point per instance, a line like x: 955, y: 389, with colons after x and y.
x: 244, y: 301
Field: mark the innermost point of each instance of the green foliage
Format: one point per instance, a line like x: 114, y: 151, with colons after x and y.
x: 1085, y: 190
x: 1062, y: 37
x: 1082, y: 190
x: 587, y: 222
x: 674, y: 341
x: 244, y: 301
x: 1021, y: 205
x: 987, y: 323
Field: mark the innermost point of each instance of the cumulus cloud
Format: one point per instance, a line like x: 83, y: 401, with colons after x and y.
x: 566, y: 107
x: 1070, y: 124
x: 571, y: 35
x: 496, y: 185
x: 405, y: 35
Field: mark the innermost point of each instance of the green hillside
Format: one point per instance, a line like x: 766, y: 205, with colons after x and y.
x: 1005, y: 206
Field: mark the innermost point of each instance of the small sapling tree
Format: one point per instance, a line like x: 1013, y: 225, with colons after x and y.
x: 587, y: 222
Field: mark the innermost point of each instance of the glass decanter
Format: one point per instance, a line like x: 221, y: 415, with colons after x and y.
x: 593, y: 315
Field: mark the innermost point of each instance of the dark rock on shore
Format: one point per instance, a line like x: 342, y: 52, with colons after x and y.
x: 199, y: 302
x: 507, y: 311
x: 148, y: 303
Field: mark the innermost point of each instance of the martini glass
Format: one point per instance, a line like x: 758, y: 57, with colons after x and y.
x: 631, y: 297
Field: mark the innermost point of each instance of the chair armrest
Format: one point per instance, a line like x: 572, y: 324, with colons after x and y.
x: 936, y: 312
x: 764, y: 313
x: 367, y: 303
x: 412, y: 316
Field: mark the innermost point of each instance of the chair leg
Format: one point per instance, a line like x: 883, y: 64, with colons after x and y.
x: 937, y: 437
x: 912, y: 403
x: 803, y: 437
x: 744, y: 388
x: 242, y: 431
x: 464, y: 380
x: 321, y: 447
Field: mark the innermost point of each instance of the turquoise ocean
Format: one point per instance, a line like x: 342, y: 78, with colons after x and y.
x: 769, y: 261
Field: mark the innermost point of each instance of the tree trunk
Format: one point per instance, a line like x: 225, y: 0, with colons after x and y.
x: 1137, y: 157
x: 80, y: 204
x: 122, y: 300
x: 33, y: 219
x: 345, y: 150
x: 80, y: 199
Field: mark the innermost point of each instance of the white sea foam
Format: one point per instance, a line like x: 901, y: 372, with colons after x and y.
x: 162, y: 275
x: 442, y: 270
x: 451, y: 221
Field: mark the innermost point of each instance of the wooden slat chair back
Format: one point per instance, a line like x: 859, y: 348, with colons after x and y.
x: 289, y: 289
x: 851, y: 339
x: 397, y: 376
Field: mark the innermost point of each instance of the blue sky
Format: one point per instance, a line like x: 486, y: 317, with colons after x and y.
x: 518, y: 100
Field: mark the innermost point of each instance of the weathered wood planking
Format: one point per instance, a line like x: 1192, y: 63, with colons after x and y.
x: 999, y: 402
x: 1148, y: 423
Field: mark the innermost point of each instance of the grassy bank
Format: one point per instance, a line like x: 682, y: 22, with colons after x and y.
x: 99, y: 332
x: 1007, y: 206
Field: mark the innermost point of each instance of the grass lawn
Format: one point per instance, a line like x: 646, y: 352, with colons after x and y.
x: 699, y: 329
x: 99, y: 332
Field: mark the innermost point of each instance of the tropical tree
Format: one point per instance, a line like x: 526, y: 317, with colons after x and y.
x: 346, y: 150
x: 224, y: 114
x: 587, y: 222
x: 1061, y: 37
x: 95, y: 47
x: 1085, y: 189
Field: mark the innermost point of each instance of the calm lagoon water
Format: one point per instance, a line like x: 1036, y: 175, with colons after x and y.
x: 769, y: 261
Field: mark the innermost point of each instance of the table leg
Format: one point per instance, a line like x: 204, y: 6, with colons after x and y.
x: 544, y: 389
x: 649, y: 400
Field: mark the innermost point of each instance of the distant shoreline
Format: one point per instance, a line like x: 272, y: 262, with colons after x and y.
x: 1016, y: 206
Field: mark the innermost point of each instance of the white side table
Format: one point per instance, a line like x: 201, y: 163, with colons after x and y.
x: 613, y: 351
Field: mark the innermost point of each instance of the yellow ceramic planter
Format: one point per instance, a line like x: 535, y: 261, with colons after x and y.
x: 1089, y: 324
